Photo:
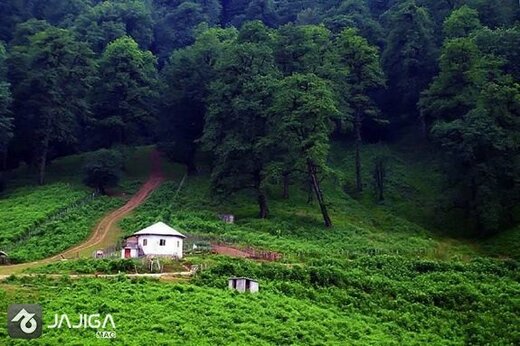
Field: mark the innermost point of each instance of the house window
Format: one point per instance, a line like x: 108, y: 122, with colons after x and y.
x: 178, y: 243
x: 162, y: 242
x: 145, y: 242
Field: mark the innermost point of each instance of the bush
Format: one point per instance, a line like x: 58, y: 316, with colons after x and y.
x: 103, y: 169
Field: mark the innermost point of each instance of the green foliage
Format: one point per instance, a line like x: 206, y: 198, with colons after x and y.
x: 187, y: 79
x: 303, y: 108
x: 5, y: 103
x: 110, y: 20
x: 354, y: 14
x: 461, y: 23
x: 103, y: 169
x: 56, y: 74
x: 371, y: 269
x: 236, y: 122
x: 69, y: 229
x: 25, y: 208
x: 474, y: 109
x: 91, y: 266
x: 409, y: 57
x: 125, y: 96
x: 303, y: 49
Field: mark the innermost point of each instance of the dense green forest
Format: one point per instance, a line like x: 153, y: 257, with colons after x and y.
x: 262, y: 88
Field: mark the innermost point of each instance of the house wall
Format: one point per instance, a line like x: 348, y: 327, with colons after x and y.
x: 173, y: 246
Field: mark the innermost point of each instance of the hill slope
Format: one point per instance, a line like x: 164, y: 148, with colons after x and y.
x: 377, y: 277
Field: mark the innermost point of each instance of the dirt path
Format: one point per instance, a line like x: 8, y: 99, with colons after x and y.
x: 102, y: 231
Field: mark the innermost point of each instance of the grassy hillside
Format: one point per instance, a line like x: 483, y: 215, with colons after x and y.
x: 40, y: 221
x: 380, y: 276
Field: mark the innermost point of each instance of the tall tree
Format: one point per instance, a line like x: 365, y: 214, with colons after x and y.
x: 503, y: 43
x: 484, y: 147
x: 5, y: 113
x: 461, y: 22
x: 176, y: 27
x: 126, y: 94
x: 302, y: 49
x: 262, y: 10
x: 408, y: 59
x: 51, y: 94
x: 363, y: 76
x: 187, y: 78
x: 474, y: 109
x: 109, y: 20
x: 454, y: 91
x: 354, y: 14
x: 102, y: 169
x: 235, y: 130
x: 302, y: 111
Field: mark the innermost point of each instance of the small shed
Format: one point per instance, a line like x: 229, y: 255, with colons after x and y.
x: 227, y: 218
x: 242, y: 284
x: 4, y: 257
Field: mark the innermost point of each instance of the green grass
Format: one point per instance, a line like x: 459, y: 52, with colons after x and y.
x: 382, y: 275
x: 381, y: 300
x: 23, y: 209
x: 504, y: 244
x: 104, y: 266
x: 64, y: 232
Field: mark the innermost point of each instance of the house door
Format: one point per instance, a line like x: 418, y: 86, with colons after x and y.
x: 128, y: 253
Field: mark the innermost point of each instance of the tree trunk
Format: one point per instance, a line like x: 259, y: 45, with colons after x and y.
x: 310, y: 193
x: 319, y: 194
x: 43, y: 160
x: 379, y: 176
x: 285, y: 194
x: 357, y: 129
x: 262, y: 198
x: 192, y: 168
x: 262, y: 204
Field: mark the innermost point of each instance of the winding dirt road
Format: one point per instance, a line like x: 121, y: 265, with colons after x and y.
x: 101, y: 233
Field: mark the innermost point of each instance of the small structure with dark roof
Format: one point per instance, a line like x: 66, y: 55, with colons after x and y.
x: 242, y: 284
x: 4, y: 257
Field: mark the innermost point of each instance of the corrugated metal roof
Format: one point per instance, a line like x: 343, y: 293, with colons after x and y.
x: 242, y: 278
x: 160, y: 228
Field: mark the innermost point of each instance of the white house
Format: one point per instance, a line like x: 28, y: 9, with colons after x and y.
x: 156, y: 240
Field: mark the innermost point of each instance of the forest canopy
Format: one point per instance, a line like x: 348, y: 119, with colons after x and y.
x: 264, y: 86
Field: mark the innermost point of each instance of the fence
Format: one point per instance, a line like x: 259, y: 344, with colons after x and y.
x: 108, y: 252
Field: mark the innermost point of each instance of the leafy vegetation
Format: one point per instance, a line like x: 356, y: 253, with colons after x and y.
x: 103, y: 169
x: 23, y: 209
x: 64, y: 232
x: 394, y: 123
x: 105, y: 266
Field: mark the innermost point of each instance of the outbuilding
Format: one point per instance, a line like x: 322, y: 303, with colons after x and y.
x: 156, y: 240
x: 242, y: 284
